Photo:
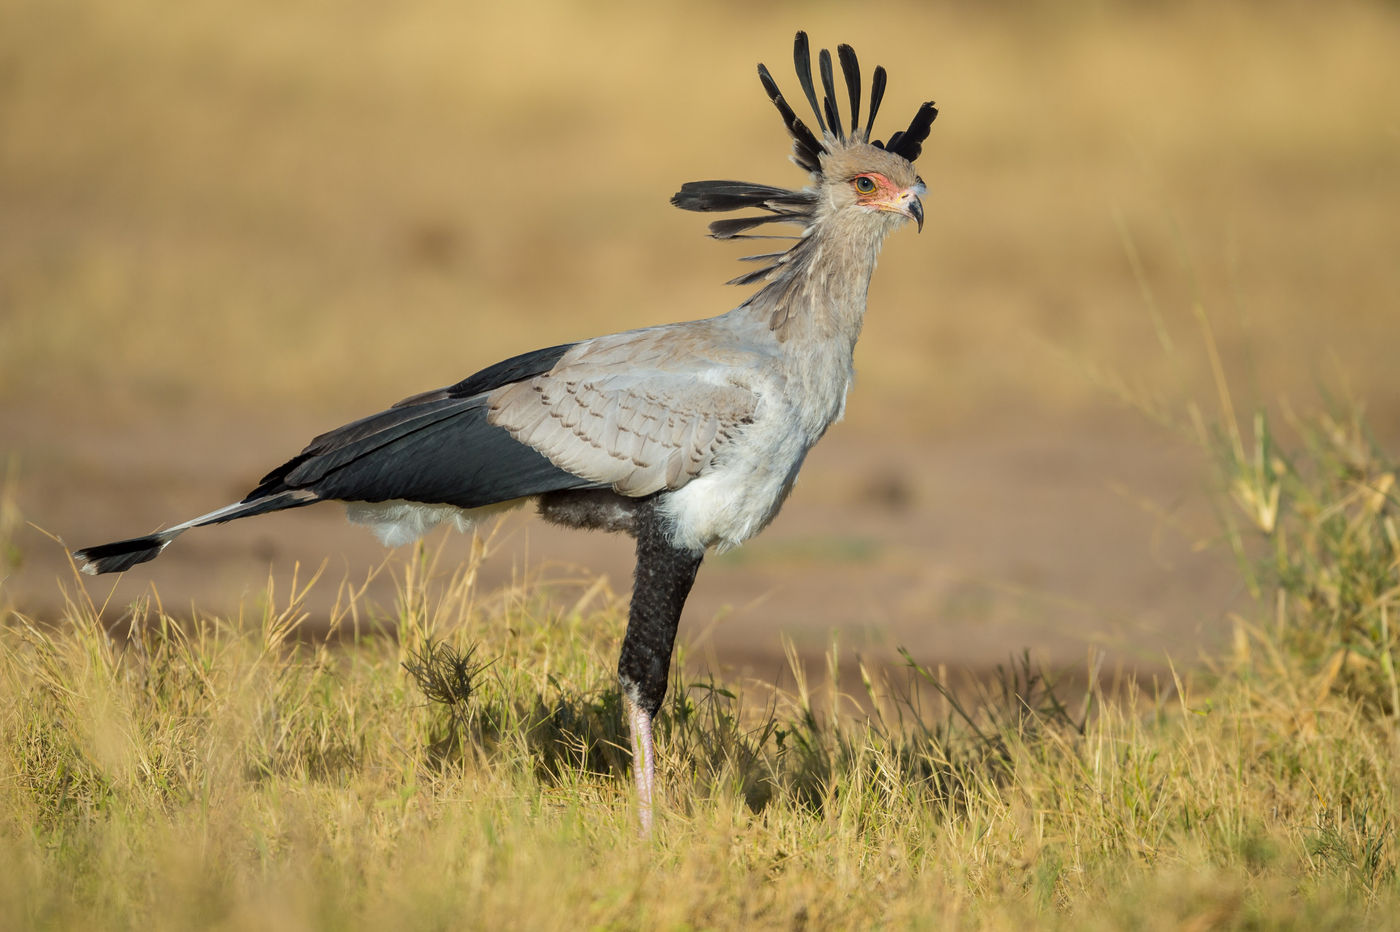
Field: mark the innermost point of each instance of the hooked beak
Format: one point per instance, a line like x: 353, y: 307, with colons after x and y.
x: 915, y: 209
x: 908, y: 204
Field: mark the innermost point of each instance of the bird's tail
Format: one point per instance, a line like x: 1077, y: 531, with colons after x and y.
x: 122, y: 555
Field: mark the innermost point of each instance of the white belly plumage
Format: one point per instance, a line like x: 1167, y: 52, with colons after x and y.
x: 399, y: 522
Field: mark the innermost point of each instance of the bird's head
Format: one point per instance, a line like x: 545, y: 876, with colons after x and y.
x: 851, y: 170
x: 867, y: 183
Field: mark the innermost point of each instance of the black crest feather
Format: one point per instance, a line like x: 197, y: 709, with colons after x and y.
x: 808, y: 147
x: 737, y: 195
x: 850, y: 68
x: 802, y: 62
x: 833, y: 114
x: 781, y: 205
x: 877, y: 94
x: 910, y: 143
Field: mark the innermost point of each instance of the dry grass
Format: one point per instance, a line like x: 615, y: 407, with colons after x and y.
x: 163, y: 775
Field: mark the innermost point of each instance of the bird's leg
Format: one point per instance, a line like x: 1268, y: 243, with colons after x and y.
x: 643, y: 760
x: 665, y: 574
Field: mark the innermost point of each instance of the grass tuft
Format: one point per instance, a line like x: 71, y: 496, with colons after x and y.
x: 1324, y: 518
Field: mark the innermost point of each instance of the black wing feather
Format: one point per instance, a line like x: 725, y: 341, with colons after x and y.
x: 525, y: 366
x: 435, y: 448
x: 457, y: 459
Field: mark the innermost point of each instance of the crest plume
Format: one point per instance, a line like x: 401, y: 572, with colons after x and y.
x: 808, y: 147
x: 781, y: 205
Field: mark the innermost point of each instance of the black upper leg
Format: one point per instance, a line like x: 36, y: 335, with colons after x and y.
x: 663, y: 579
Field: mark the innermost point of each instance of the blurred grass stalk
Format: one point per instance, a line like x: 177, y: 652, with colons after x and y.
x: 10, y: 520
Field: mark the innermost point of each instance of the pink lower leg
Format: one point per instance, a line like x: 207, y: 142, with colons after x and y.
x: 643, y: 761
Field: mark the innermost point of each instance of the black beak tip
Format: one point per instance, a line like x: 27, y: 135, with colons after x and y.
x: 916, y: 210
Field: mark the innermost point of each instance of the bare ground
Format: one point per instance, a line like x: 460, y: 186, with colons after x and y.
x: 966, y: 549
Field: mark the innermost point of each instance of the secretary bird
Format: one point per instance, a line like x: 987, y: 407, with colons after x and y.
x: 687, y: 436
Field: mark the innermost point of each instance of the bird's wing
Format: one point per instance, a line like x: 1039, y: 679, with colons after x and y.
x: 437, y: 448
x: 640, y: 417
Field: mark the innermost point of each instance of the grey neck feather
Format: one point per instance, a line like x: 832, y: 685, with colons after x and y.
x: 818, y: 287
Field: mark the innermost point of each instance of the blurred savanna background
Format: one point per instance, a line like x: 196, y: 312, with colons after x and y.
x: 227, y: 227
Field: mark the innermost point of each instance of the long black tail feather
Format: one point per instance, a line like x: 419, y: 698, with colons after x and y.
x: 120, y: 556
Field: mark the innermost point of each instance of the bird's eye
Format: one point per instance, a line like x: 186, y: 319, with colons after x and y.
x: 865, y: 184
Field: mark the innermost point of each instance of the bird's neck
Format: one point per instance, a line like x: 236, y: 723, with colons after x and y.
x: 815, y: 308
x: 819, y: 297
